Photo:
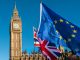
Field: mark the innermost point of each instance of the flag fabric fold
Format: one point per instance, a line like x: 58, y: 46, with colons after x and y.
x: 69, y: 32
x: 47, y: 36
x: 54, y: 31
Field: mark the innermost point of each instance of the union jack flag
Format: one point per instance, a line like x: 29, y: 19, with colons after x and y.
x: 36, y: 42
x: 47, y: 48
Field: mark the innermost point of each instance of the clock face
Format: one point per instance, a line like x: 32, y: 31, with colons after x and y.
x: 15, y: 25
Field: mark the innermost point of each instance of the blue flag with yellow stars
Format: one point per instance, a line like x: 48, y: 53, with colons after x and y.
x: 47, y: 30
x: 68, y: 31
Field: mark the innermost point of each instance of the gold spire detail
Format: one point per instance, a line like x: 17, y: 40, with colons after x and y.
x: 15, y: 12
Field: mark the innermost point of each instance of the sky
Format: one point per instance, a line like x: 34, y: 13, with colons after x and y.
x: 29, y: 12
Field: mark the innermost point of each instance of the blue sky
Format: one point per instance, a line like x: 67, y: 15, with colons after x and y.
x: 29, y: 13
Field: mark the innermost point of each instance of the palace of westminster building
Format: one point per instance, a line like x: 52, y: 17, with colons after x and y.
x: 16, y: 41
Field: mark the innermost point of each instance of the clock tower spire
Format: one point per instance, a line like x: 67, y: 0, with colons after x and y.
x: 15, y: 36
x: 15, y: 12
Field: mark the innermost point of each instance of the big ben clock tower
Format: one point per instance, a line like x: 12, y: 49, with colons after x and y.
x: 15, y: 36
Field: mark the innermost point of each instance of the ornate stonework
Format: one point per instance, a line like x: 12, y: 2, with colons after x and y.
x: 15, y: 37
x: 33, y: 56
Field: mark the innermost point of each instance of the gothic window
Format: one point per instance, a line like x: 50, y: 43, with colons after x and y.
x: 16, y: 53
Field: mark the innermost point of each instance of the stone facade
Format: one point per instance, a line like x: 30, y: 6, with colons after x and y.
x: 32, y: 56
x: 15, y: 36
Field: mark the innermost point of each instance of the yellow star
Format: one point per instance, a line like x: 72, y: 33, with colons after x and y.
x: 56, y: 31
x: 71, y: 26
x: 69, y: 40
x: 75, y: 31
x: 61, y: 48
x: 73, y: 35
x: 67, y: 22
x: 60, y: 37
x: 61, y: 20
x: 55, y: 22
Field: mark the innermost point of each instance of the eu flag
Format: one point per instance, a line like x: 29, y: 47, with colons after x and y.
x: 47, y: 29
x: 68, y: 31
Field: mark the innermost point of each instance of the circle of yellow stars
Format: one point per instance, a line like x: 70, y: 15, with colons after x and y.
x: 74, y: 31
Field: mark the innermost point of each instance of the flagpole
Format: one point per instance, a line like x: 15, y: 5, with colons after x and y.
x: 40, y: 14
x: 33, y: 36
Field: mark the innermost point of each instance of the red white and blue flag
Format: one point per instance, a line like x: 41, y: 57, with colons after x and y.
x: 47, y: 48
x: 36, y: 42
